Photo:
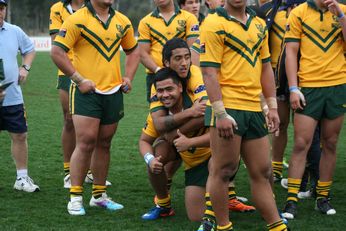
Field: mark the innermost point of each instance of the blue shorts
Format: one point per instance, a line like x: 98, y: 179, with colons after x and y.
x: 13, y: 119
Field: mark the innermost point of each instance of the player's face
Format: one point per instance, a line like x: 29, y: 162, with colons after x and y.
x: 168, y: 92
x: 180, y: 61
x: 105, y: 3
x: 2, y: 14
x: 215, y: 3
x: 192, y: 6
x: 237, y: 3
x: 162, y: 3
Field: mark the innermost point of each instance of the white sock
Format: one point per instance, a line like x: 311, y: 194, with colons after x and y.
x: 22, y: 173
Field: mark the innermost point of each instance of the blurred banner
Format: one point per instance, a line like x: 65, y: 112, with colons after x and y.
x: 41, y: 43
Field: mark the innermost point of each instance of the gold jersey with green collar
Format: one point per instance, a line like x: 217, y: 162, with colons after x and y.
x: 195, y: 89
x: 153, y: 29
x: 322, y: 62
x: 59, y: 12
x: 276, y: 36
x: 192, y: 157
x: 238, y: 50
x: 96, y: 45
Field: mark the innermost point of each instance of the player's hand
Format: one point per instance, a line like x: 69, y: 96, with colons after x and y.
x: 86, y: 86
x: 156, y: 166
x: 333, y: 7
x: 297, y: 99
x: 198, y: 108
x: 182, y: 142
x: 23, y: 74
x: 126, y: 85
x: 273, y: 121
x: 225, y: 127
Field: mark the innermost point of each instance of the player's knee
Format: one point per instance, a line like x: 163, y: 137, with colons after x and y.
x: 226, y: 172
x: 19, y: 137
x: 330, y: 143
x: 301, y: 144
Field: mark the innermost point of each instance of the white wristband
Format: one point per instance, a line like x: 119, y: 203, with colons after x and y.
x: 148, y: 157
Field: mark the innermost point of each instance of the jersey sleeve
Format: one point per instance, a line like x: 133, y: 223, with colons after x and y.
x: 143, y: 32
x: 25, y: 44
x: 55, y: 20
x: 149, y: 128
x: 196, y: 85
x: 192, y: 27
x: 265, y: 53
x: 211, y: 45
x: 128, y: 42
x: 68, y: 35
x: 196, y: 46
x: 293, y: 27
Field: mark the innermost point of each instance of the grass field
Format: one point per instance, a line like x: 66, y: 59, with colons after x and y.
x: 46, y: 210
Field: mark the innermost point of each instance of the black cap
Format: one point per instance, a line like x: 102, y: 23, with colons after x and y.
x: 4, y: 2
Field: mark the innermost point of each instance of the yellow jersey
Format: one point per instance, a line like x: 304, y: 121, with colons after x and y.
x: 96, y: 45
x: 192, y: 157
x: 153, y: 29
x: 276, y: 37
x: 238, y: 50
x: 322, y: 62
x: 59, y: 12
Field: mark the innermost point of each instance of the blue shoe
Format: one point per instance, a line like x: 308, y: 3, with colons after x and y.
x: 105, y: 202
x: 157, y: 212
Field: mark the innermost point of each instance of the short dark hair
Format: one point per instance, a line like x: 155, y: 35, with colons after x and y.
x: 166, y: 73
x: 171, y: 45
x: 182, y: 2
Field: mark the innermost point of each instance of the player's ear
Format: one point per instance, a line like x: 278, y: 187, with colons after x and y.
x: 166, y: 63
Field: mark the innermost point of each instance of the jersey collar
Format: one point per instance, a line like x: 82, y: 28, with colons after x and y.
x: 93, y: 12
x: 156, y: 12
x: 223, y: 13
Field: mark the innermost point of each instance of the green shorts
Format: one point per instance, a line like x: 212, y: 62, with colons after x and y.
x: 251, y: 125
x: 149, y: 82
x: 108, y: 108
x: 63, y: 83
x: 198, y: 175
x: 324, y: 102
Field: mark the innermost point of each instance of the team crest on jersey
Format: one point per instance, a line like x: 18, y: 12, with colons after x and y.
x: 120, y: 30
x: 260, y: 28
x: 62, y: 33
x: 336, y: 23
x: 181, y: 25
x: 199, y: 89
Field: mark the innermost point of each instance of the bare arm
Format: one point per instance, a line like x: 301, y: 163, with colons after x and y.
x: 27, y: 59
x: 195, y: 58
x: 190, y: 41
x: 212, y: 84
x: 131, y: 65
x: 334, y: 8
x: 146, y: 59
x: 61, y: 60
x: 147, y: 152
x: 145, y: 144
x: 291, y: 62
x: 165, y: 123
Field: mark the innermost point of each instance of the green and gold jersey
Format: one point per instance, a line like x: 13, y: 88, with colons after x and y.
x: 153, y: 29
x: 149, y: 128
x: 195, y: 89
x: 59, y: 12
x: 192, y: 157
x: 276, y: 36
x: 322, y: 62
x: 96, y: 45
x: 238, y: 50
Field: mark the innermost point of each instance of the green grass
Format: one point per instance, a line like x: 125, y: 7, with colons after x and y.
x: 46, y: 210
